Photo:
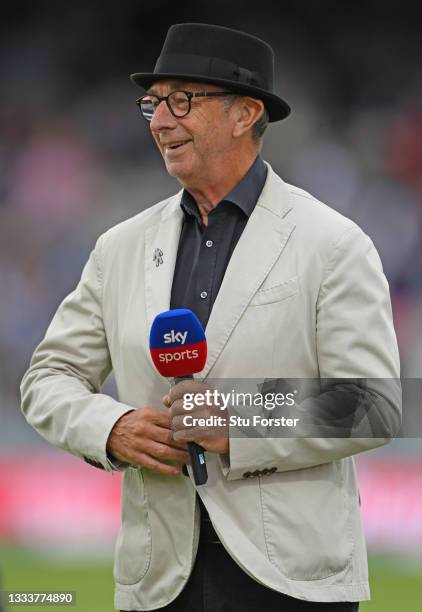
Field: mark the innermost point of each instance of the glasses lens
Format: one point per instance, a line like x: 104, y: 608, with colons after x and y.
x: 179, y: 103
x: 148, y: 104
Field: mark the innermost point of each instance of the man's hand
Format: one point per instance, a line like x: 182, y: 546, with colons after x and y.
x: 214, y: 437
x: 144, y: 437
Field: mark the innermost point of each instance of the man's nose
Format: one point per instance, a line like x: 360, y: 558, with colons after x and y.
x: 162, y: 118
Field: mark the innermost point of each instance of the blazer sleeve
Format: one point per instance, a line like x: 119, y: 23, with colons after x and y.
x: 60, y: 392
x: 357, y: 358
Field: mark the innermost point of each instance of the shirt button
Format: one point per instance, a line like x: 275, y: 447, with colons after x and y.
x: 209, y: 243
x: 204, y: 294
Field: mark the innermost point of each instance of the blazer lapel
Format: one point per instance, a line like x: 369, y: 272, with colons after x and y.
x: 161, y: 243
x: 259, y: 247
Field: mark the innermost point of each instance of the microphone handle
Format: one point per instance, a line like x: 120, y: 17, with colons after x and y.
x: 196, y: 453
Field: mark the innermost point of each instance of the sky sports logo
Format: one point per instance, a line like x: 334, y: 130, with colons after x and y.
x: 178, y: 356
x: 175, y: 337
x: 177, y: 343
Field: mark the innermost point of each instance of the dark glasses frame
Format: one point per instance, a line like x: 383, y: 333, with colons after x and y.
x: 189, y: 96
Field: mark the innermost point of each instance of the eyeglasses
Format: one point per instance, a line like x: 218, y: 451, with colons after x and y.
x: 179, y: 102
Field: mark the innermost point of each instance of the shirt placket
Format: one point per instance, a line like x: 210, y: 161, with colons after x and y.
x: 207, y: 264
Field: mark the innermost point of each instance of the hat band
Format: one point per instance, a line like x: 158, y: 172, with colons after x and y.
x: 209, y: 67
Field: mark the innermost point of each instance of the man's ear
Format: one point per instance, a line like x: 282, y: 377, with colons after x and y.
x: 249, y: 111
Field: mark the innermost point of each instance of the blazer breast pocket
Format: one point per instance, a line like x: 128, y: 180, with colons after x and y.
x: 276, y: 293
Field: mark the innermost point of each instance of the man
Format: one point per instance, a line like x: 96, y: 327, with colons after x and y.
x: 286, y: 288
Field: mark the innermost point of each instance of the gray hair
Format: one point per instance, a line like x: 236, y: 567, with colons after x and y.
x: 258, y: 128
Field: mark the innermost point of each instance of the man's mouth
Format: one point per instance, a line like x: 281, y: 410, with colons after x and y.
x: 175, y: 145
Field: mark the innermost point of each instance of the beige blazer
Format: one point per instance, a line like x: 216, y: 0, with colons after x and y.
x: 304, y: 295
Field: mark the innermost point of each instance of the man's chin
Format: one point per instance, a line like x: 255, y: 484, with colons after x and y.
x: 178, y: 169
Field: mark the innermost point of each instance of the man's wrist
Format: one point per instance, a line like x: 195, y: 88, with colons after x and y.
x: 112, y: 459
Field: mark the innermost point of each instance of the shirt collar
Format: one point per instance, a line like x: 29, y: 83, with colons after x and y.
x: 244, y: 194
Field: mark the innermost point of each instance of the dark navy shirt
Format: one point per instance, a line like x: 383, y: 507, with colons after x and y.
x: 204, y: 251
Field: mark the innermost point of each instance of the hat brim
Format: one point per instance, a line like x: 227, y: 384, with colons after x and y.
x: 277, y: 108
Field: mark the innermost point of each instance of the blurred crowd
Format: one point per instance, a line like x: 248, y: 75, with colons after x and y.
x: 76, y: 156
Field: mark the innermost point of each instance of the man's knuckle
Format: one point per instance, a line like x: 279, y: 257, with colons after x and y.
x: 174, y: 411
x: 161, y: 451
x: 168, y: 437
x: 176, y: 423
x: 147, y: 412
x: 177, y: 403
x: 140, y: 428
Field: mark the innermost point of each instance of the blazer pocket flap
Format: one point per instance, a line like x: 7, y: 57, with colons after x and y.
x: 276, y: 293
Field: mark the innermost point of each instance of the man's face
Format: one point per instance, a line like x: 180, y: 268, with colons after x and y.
x: 205, y: 133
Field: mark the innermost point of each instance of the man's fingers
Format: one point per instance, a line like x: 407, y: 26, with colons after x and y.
x: 159, y: 443
x: 145, y: 460
x: 187, y: 435
x: 177, y: 409
x: 165, y: 436
x: 144, y: 437
x: 163, y: 452
x: 194, y: 433
x: 152, y: 415
x: 181, y: 422
x: 185, y: 386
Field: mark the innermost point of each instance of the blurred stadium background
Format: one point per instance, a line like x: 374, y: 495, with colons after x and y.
x: 76, y: 158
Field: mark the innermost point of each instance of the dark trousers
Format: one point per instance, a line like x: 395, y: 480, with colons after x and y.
x: 218, y: 584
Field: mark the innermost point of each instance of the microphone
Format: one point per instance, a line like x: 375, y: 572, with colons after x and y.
x: 178, y: 350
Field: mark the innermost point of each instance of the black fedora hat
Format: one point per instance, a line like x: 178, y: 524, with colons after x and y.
x: 214, y: 54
